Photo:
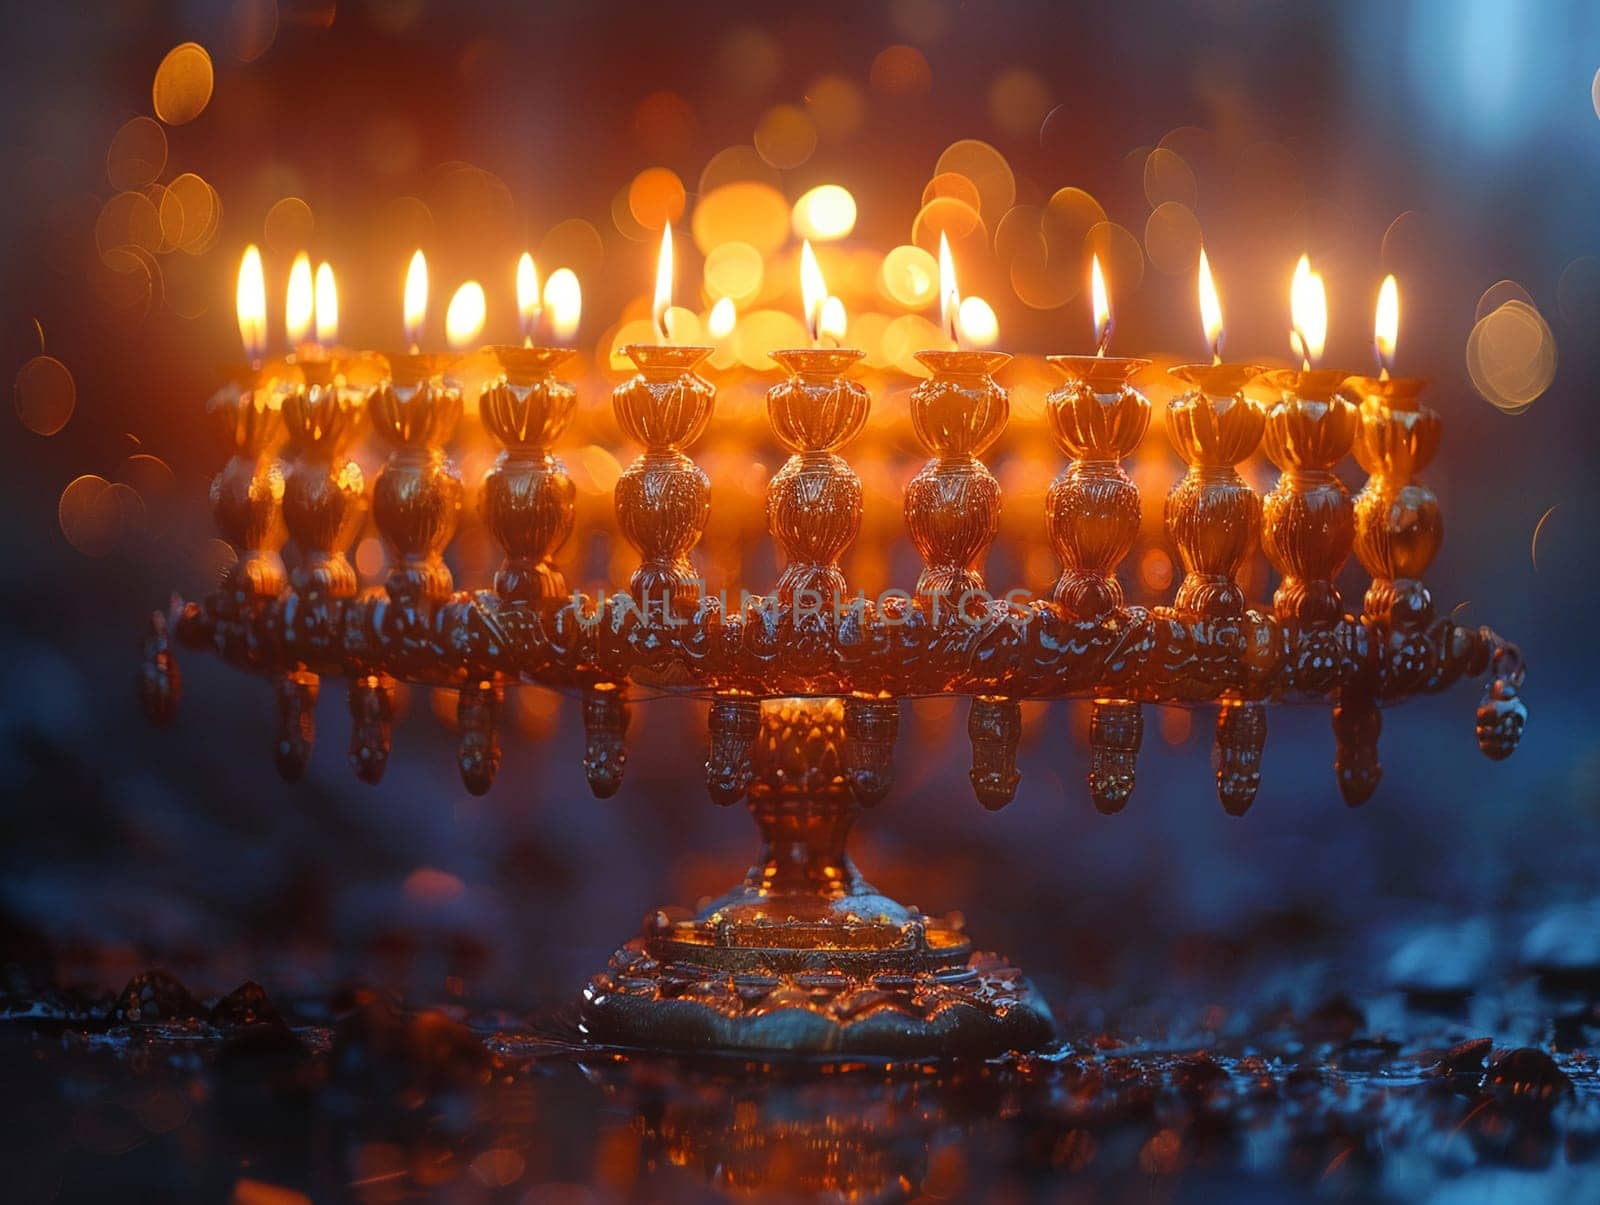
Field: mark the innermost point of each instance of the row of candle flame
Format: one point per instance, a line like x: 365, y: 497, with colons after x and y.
x: 552, y: 314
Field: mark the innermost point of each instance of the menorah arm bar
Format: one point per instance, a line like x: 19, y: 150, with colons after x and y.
x: 897, y: 649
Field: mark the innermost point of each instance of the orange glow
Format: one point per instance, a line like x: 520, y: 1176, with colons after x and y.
x: 527, y: 296
x: 463, y: 320
x: 663, y: 300
x: 833, y: 322
x: 1386, y: 326
x: 327, y: 295
x: 813, y: 290
x: 826, y: 212
x: 1210, y: 309
x: 723, y: 316
x: 1308, y: 308
x: 977, y: 322
x: 563, y: 301
x: 949, y: 293
x: 298, y: 302
x: 250, y: 304
x: 1102, y: 307
x: 415, y: 309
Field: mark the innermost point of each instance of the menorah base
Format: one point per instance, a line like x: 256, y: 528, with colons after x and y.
x: 901, y: 985
x: 805, y: 956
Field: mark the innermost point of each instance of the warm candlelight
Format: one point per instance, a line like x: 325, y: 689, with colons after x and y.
x: 528, y: 298
x: 327, y: 306
x: 298, y: 303
x: 723, y: 317
x: 1308, y: 308
x: 250, y: 304
x: 563, y: 304
x: 949, y: 294
x: 1386, y: 325
x: 813, y: 291
x: 831, y: 326
x: 663, y: 299
x: 1102, y: 307
x: 975, y: 318
x: 415, y: 310
x: 464, y: 318
x: 1210, y: 309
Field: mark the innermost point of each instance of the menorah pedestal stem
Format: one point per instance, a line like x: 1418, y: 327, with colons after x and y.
x: 805, y: 957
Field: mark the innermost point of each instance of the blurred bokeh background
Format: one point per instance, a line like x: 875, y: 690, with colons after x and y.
x: 1455, y: 144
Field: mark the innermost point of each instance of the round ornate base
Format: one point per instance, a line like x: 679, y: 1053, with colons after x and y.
x: 805, y: 957
x: 976, y: 1006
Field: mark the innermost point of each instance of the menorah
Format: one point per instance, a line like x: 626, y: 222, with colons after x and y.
x: 805, y: 681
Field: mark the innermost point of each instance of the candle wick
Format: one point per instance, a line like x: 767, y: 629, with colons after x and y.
x: 1105, y: 339
x: 1383, y: 372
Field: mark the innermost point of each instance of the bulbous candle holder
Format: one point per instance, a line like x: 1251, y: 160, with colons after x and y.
x: 1092, y: 517
x: 324, y: 504
x: 1308, y: 520
x: 804, y: 684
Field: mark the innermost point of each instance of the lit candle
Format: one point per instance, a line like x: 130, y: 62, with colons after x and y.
x: 464, y: 317
x: 1210, y: 309
x: 327, y: 306
x: 250, y: 305
x: 528, y: 298
x: 663, y: 299
x: 1102, y: 307
x: 415, y: 307
x: 949, y: 295
x: 1386, y: 325
x: 813, y: 292
x: 298, y: 302
x: 1308, y: 308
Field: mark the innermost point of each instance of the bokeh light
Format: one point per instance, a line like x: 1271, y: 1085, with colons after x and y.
x: 183, y: 84
x: 45, y: 395
x: 1511, y: 356
x: 747, y: 212
x: 824, y: 213
x: 910, y: 277
x: 137, y: 154
x: 785, y: 136
x: 1018, y: 102
x: 900, y: 71
x: 836, y: 106
x: 734, y: 271
x: 656, y: 197
x: 987, y: 169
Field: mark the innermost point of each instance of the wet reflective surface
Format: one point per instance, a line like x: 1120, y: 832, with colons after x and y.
x: 1443, y: 1086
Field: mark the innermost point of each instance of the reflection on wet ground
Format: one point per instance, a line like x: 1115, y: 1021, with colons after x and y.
x: 157, y: 1095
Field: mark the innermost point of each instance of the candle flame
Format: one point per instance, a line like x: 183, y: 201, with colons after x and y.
x: 833, y: 322
x: 327, y: 297
x: 723, y: 316
x: 1210, y: 309
x: 527, y: 296
x: 415, y: 309
x: 949, y: 293
x: 1102, y: 307
x: 1386, y: 327
x: 813, y: 290
x: 298, y: 302
x: 1308, y: 307
x: 563, y: 299
x: 463, y: 320
x: 250, y: 304
x: 663, y: 301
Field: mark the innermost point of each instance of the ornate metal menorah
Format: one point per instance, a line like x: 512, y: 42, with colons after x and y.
x: 805, y: 682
